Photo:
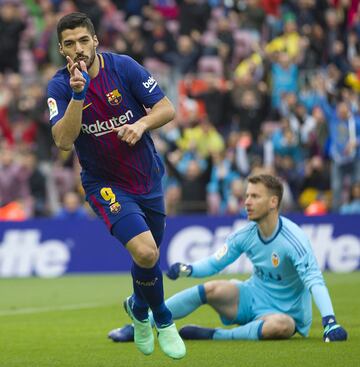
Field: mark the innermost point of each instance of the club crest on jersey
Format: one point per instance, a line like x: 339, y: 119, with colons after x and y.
x: 275, y: 259
x: 115, y: 208
x: 114, y: 97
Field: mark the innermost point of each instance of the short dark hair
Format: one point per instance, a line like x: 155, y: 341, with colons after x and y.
x: 74, y: 20
x: 272, y: 183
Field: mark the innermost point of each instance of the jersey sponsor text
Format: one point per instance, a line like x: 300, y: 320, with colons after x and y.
x: 99, y: 128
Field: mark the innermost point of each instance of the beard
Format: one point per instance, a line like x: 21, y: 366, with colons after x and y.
x: 88, y: 60
x: 260, y: 217
x: 91, y: 60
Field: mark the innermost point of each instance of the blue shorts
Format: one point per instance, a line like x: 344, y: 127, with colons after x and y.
x: 137, y: 213
x: 255, y: 303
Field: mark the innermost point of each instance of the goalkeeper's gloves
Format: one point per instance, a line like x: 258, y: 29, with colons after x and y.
x: 179, y: 270
x: 332, y: 331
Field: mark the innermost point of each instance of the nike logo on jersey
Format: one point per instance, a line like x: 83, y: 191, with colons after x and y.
x: 88, y: 105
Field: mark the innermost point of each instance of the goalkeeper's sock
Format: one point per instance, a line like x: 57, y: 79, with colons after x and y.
x: 185, y: 302
x: 250, y: 331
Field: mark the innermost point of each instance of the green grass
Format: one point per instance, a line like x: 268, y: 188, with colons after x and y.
x: 41, y: 325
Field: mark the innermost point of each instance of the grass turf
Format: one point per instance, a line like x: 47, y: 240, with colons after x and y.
x: 64, y: 322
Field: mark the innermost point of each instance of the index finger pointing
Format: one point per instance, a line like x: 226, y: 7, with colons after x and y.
x: 69, y: 60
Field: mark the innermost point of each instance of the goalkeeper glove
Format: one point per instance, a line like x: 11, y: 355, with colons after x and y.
x: 332, y: 331
x: 179, y: 270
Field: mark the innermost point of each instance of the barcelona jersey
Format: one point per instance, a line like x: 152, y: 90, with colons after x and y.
x: 118, y: 95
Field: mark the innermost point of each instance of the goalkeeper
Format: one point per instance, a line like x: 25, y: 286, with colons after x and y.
x: 275, y: 302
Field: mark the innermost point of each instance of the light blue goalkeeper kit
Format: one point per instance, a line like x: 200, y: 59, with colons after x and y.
x: 285, y: 274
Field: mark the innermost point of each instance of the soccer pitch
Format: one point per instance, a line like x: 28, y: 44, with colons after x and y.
x: 64, y: 322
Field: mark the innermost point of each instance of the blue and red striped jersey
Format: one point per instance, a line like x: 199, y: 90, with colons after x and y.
x: 118, y: 95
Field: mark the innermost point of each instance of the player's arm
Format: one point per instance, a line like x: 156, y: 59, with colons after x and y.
x: 160, y: 114
x: 211, y: 265
x: 67, y: 129
x: 332, y: 330
x: 308, y: 270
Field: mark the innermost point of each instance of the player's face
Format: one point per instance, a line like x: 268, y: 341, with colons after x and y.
x: 259, y: 202
x: 79, y: 45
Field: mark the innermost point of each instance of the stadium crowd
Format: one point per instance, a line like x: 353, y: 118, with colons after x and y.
x: 259, y: 85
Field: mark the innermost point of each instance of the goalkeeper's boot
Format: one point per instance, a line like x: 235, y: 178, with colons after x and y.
x: 193, y: 332
x: 170, y: 342
x: 123, y: 334
x: 143, y: 333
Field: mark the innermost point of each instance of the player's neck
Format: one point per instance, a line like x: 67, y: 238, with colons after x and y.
x: 268, y: 224
x: 94, y: 68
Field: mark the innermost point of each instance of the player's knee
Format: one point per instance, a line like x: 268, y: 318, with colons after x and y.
x: 146, y: 256
x: 212, y: 290
x: 279, y: 327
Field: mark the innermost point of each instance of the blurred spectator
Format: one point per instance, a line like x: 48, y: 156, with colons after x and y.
x: 14, y: 183
x: 344, y: 128
x: 132, y: 42
x: 223, y: 173
x: 160, y: 43
x: 217, y: 101
x: 192, y: 179
x: 315, y: 133
x: 252, y: 17
x: 37, y: 185
x: 284, y: 77
x: 353, y: 204
x: 316, y: 181
x: 236, y: 200
x: 250, y: 112
x: 288, y: 42
x: 202, y: 139
x: 11, y: 27
x: 193, y: 16
x: 286, y: 142
x: 72, y: 207
x: 184, y: 59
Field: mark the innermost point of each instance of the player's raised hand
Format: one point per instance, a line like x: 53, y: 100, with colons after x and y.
x: 79, y: 80
x: 179, y: 270
x: 131, y: 133
x: 332, y: 331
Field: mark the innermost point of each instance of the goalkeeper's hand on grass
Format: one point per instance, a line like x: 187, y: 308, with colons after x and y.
x: 332, y: 331
x: 179, y: 270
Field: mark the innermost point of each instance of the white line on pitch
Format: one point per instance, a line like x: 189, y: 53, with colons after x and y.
x: 24, y: 311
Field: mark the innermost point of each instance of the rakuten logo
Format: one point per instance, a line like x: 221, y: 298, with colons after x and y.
x: 150, y: 84
x: 105, y: 127
x: 22, y: 255
x: 341, y: 254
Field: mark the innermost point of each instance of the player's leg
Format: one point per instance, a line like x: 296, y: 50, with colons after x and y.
x: 137, y: 305
x: 168, y: 336
x: 224, y: 297
x: 278, y: 326
x: 233, y: 301
x: 148, y: 283
x: 123, y: 217
x: 180, y: 305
